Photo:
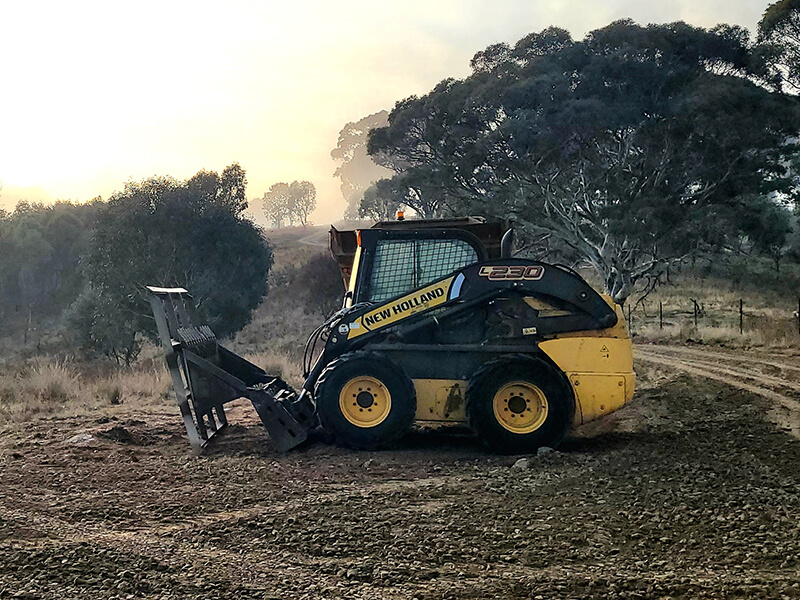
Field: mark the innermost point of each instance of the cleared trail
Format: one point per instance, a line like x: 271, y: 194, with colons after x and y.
x: 785, y: 364
x: 741, y: 370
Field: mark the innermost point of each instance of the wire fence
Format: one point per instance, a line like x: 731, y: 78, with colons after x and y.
x: 682, y: 316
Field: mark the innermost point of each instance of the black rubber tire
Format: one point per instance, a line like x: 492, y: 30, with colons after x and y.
x: 491, y: 377
x: 372, y: 364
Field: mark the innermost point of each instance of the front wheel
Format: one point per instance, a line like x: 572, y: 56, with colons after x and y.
x: 365, y: 400
x: 517, y: 404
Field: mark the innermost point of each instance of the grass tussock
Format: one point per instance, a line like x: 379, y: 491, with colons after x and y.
x: 51, y: 382
x: 46, y: 385
x: 54, y: 386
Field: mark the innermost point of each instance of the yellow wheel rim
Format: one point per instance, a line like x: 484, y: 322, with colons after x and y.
x: 365, y: 401
x: 520, y: 407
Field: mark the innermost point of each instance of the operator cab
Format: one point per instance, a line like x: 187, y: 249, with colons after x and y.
x: 393, y: 258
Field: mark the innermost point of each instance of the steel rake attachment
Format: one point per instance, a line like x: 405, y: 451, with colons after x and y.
x: 206, y: 375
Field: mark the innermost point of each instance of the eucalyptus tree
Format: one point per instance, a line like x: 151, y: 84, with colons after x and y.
x: 356, y: 170
x: 633, y: 147
x: 779, y: 31
x: 168, y: 233
x: 289, y: 202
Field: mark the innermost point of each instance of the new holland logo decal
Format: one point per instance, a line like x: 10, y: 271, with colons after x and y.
x: 403, y: 307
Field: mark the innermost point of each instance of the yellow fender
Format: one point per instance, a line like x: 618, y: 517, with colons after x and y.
x: 599, y: 367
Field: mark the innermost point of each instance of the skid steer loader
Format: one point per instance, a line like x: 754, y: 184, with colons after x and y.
x: 439, y: 324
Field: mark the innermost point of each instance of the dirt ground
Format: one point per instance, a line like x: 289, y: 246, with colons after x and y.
x: 691, y: 491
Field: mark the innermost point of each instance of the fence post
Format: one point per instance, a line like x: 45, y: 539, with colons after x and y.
x: 694, y: 302
x: 798, y: 315
x: 661, y: 315
x: 741, y: 316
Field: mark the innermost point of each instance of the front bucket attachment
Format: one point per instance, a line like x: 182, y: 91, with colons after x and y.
x: 205, y: 376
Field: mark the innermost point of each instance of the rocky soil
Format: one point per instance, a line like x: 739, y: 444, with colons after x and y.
x: 689, y: 492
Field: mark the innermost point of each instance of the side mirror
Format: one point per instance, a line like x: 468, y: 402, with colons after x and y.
x: 348, y: 299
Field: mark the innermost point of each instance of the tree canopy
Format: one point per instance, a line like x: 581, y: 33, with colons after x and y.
x: 227, y: 191
x: 627, y: 146
x: 40, y: 258
x: 290, y: 202
x: 779, y: 31
x: 172, y: 234
x: 356, y: 170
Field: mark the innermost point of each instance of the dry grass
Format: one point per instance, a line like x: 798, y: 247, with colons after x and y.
x: 134, y: 387
x: 48, y: 383
x: 279, y: 326
x: 55, y: 386
x: 282, y: 323
x: 769, y: 334
x: 281, y: 365
x: 769, y: 299
x: 44, y: 386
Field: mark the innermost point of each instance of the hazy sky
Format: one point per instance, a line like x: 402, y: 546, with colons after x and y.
x: 96, y: 93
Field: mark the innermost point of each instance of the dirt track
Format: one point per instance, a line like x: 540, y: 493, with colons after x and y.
x: 689, y: 492
x: 774, y: 377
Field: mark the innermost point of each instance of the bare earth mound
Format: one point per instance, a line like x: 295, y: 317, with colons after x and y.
x: 690, y: 492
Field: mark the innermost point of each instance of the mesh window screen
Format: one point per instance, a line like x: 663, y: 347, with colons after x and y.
x: 401, y: 266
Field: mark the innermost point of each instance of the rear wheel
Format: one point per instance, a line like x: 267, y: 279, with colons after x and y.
x: 365, y: 400
x: 517, y: 404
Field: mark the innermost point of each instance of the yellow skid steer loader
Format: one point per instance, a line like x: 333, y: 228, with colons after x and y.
x: 438, y: 325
